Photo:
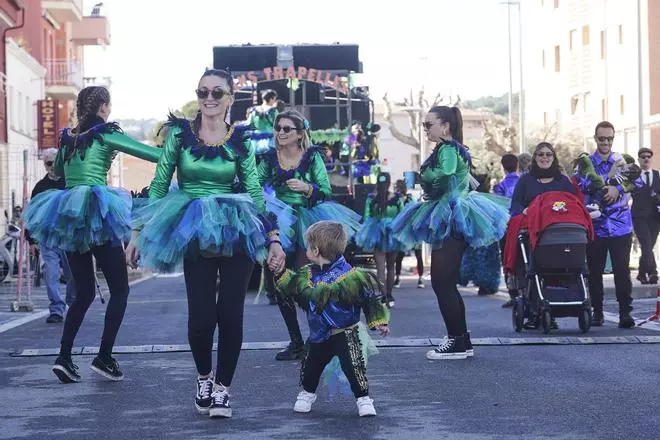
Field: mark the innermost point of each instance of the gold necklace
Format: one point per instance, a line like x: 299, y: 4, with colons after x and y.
x: 217, y: 144
x: 285, y: 165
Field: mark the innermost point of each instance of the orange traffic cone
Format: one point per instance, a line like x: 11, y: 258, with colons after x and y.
x: 656, y: 315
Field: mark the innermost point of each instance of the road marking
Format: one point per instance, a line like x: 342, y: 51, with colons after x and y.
x: 37, y: 315
x: 391, y: 343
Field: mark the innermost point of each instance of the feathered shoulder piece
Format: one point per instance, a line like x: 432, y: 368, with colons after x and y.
x: 584, y: 168
x: 281, y: 175
x: 348, y: 289
x: 80, y: 142
x: 234, y: 142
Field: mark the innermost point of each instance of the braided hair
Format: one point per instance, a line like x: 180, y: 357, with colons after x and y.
x: 90, y: 100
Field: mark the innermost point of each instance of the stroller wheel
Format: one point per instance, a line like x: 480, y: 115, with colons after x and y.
x: 584, y: 320
x: 546, y: 321
x: 518, y: 314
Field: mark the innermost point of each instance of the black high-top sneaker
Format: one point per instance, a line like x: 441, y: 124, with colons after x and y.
x: 468, y: 344
x: 108, y: 368
x: 452, y: 347
x: 203, y: 396
x: 220, y: 406
x: 397, y: 282
x: 65, y: 370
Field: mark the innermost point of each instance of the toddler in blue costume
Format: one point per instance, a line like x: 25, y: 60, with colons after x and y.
x: 333, y: 294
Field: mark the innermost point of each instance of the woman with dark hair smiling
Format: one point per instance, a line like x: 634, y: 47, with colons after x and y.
x: 544, y: 175
x: 210, y: 229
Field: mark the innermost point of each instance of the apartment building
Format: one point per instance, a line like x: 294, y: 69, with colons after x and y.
x: 580, y: 67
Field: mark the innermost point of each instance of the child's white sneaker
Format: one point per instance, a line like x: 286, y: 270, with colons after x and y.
x: 304, y: 402
x: 366, y: 407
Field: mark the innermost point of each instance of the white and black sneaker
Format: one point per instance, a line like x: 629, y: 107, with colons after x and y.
x: 108, y: 368
x: 220, y: 406
x: 452, y: 347
x: 203, y: 396
x: 65, y: 370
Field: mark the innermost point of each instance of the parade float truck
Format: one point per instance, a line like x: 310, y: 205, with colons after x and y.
x: 317, y: 81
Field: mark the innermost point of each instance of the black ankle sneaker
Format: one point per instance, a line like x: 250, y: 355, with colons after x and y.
x: 220, y: 406
x: 468, y: 344
x: 65, y: 370
x: 108, y: 368
x: 453, y: 347
x: 203, y: 396
x: 292, y: 352
x: 597, y: 319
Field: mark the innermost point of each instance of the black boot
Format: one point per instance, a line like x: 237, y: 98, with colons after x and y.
x: 294, y: 351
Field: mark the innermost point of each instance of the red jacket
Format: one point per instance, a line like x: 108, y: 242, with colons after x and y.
x: 546, y: 209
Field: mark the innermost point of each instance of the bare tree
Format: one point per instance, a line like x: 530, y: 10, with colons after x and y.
x: 415, y: 105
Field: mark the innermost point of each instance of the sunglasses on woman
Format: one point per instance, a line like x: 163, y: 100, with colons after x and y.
x: 286, y: 128
x: 544, y: 154
x: 216, y: 93
x: 49, y: 163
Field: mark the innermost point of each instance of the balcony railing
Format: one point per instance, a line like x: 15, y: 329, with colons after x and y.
x: 64, y: 73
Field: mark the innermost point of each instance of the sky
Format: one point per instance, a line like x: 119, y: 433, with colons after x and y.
x: 159, y: 49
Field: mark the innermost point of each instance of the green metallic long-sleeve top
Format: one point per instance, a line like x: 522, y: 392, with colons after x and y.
x: 204, y: 170
x: 393, y: 208
x: 446, y: 169
x: 85, y: 158
x: 311, y: 170
x: 262, y: 120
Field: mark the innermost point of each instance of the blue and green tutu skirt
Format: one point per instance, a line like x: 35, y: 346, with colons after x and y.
x: 306, y: 217
x: 285, y: 214
x: 79, y: 218
x: 293, y: 222
x: 179, y: 225
x: 376, y: 235
x: 478, y: 218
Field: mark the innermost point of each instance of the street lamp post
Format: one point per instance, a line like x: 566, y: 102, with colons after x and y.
x: 640, y: 76
x: 521, y: 97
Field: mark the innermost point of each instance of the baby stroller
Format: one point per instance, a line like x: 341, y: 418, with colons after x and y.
x: 552, y: 247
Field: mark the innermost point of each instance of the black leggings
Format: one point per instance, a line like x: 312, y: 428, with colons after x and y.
x: 420, y: 262
x: 445, y: 271
x: 287, y: 305
x: 208, y: 309
x: 112, y: 262
x: 348, y: 348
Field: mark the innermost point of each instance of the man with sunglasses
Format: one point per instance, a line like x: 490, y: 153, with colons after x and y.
x: 53, y: 259
x: 646, y: 218
x: 613, y: 231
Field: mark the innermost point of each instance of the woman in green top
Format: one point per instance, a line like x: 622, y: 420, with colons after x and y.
x: 294, y: 174
x: 87, y: 219
x: 451, y: 218
x: 376, y: 232
x: 210, y: 230
x: 262, y: 119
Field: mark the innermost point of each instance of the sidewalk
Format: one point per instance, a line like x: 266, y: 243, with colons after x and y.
x: 39, y: 298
